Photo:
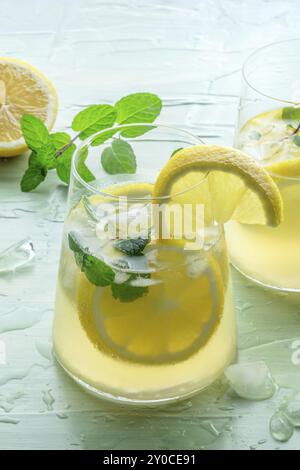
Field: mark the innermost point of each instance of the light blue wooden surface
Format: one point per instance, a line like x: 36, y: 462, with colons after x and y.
x: 189, y: 52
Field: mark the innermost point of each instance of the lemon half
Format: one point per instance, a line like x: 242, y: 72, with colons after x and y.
x: 23, y: 90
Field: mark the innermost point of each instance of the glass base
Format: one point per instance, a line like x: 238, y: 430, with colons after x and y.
x: 135, y: 401
x: 265, y: 284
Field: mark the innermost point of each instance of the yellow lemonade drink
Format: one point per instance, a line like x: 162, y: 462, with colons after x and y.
x: 271, y: 256
x: 144, y: 312
x: 161, y: 328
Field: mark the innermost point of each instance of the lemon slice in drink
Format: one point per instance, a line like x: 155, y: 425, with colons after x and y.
x: 168, y: 324
x: 286, y: 168
x: 23, y: 90
x: 229, y: 184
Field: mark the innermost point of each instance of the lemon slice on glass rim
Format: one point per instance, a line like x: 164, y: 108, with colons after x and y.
x: 231, y: 186
x: 23, y: 90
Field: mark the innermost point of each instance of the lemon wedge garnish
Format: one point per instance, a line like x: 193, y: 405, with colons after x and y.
x: 229, y: 184
x: 23, y: 90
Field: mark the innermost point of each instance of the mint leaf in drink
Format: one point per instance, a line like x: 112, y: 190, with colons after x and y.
x: 255, y: 135
x: 138, y: 107
x: 291, y: 114
x: 34, y: 131
x: 60, y: 139
x: 82, y: 169
x: 33, y: 176
x: 118, y: 158
x: 296, y: 140
x: 132, y: 246
x: 63, y: 164
x: 96, y: 271
x: 93, y: 119
x: 127, y: 293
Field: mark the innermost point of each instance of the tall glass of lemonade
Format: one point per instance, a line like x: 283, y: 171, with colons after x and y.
x: 140, y: 317
x: 269, y: 130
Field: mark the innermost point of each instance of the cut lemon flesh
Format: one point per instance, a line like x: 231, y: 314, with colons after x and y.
x: 166, y: 325
x: 229, y: 184
x: 23, y: 90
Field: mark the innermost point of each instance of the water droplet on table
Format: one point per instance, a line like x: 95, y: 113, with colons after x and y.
x: 291, y: 408
x: 44, y: 347
x: 17, y: 256
x: 48, y: 399
x: 280, y: 427
x: 252, y: 381
x: 62, y: 415
x: 7, y: 420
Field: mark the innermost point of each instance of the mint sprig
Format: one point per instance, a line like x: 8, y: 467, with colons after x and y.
x: 55, y: 151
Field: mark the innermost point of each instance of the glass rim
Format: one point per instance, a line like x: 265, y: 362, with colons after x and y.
x: 88, y: 141
x: 278, y: 177
x: 252, y: 55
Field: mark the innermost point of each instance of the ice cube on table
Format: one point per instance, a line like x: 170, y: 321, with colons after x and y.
x: 252, y: 381
x: 280, y: 428
x: 291, y: 408
x: 16, y: 256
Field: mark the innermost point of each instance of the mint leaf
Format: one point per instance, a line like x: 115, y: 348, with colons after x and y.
x: 291, y: 114
x: 60, y: 139
x: 132, y: 246
x: 45, y: 156
x: 82, y: 169
x: 127, y: 293
x: 33, y: 176
x: 63, y: 164
x: 35, y: 132
x: 118, y: 158
x: 138, y: 107
x: 296, y: 140
x: 96, y: 271
x: 94, y: 119
x: 100, y: 139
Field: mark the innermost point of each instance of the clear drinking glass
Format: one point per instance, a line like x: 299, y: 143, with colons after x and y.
x: 267, y: 129
x: 139, y: 328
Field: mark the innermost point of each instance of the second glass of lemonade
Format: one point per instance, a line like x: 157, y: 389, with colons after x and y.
x: 139, y: 319
x: 269, y: 130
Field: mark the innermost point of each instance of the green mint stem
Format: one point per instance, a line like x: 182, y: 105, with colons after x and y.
x: 296, y: 130
x: 68, y: 145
